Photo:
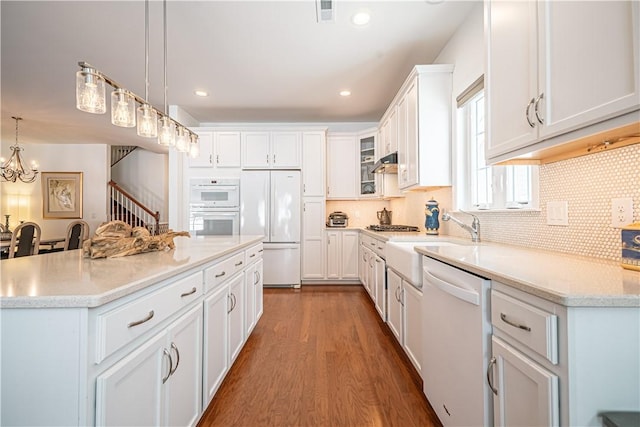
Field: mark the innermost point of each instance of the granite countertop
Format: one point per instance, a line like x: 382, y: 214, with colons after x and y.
x: 565, y: 279
x: 66, y: 279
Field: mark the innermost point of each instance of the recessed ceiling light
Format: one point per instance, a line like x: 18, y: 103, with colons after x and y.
x: 361, y: 18
x: 345, y: 93
x: 201, y: 93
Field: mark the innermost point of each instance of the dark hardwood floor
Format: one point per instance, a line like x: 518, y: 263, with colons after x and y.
x: 320, y: 356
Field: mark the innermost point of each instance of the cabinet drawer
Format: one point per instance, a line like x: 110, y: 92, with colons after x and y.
x: 118, y: 327
x: 253, y: 254
x: 219, y: 273
x: 531, y: 326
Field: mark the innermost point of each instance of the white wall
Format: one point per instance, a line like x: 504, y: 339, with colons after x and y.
x: 24, y: 201
x: 145, y: 174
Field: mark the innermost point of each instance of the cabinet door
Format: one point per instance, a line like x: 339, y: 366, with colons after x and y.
x: 286, y: 150
x: 392, y: 132
x: 349, y: 254
x: 258, y: 287
x: 383, y: 143
x: 204, y: 159
x: 184, y: 391
x: 401, y: 111
x: 342, y: 179
x: 381, y: 291
x: 216, y: 342
x: 395, y: 316
x: 250, y: 277
x: 412, y: 324
x: 333, y: 254
x: 367, y: 157
x: 227, y: 150
x: 256, y: 150
x: 587, y: 72
x: 510, y: 81
x: 364, y: 263
x: 313, y: 247
x: 527, y: 393
x: 236, y: 316
x: 411, y: 145
x: 131, y: 391
x: 313, y: 164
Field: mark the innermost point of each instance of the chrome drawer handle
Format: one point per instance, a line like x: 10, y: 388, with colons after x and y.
x: 220, y: 275
x: 166, y: 353
x: 140, y: 322
x: 238, y: 263
x: 175, y: 347
x: 515, y: 325
x: 538, y: 99
x: 191, y: 292
x: 526, y: 113
x: 261, y: 250
x: 489, y: 370
x: 252, y: 255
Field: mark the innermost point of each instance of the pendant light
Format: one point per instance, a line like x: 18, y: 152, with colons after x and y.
x: 90, y: 91
x: 182, y: 140
x: 146, y: 115
x: 167, y: 131
x: 123, y: 108
x: 194, y: 147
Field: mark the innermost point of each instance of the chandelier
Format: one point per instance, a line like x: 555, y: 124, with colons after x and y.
x: 90, y: 97
x: 15, y: 168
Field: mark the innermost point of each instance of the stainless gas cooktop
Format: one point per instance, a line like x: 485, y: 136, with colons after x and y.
x: 375, y: 227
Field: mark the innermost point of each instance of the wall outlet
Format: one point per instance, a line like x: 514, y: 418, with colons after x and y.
x: 621, y: 212
x: 558, y: 213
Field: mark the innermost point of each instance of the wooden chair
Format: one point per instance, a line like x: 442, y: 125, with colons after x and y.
x: 25, y: 240
x: 77, y: 233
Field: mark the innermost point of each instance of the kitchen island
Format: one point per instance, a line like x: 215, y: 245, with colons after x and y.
x: 143, y: 339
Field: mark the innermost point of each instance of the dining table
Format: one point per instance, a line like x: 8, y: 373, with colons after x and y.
x: 50, y: 242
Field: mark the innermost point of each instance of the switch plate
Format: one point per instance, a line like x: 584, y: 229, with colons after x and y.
x: 621, y: 212
x: 558, y: 213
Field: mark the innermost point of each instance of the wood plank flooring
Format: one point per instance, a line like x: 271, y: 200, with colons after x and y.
x: 320, y: 356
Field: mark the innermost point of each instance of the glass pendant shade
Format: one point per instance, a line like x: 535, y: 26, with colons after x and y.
x: 194, y: 147
x: 123, y: 108
x: 182, y: 140
x: 147, y: 121
x: 90, y: 91
x: 166, y: 132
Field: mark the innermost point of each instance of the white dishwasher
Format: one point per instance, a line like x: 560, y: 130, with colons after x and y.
x: 457, y: 344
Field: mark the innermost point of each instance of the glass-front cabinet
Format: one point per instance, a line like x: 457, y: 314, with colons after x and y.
x: 367, y: 152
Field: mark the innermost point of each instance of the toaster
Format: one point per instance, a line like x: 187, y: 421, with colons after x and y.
x: 338, y: 219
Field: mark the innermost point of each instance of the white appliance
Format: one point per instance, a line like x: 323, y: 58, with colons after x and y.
x: 214, y: 206
x: 270, y: 205
x: 457, y: 344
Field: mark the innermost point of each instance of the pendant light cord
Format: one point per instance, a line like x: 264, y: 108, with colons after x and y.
x: 146, y: 51
x: 164, y: 11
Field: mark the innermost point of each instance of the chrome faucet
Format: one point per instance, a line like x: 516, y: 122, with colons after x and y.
x: 474, y: 230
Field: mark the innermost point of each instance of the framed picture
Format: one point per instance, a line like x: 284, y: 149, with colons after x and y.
x: 62, y: 195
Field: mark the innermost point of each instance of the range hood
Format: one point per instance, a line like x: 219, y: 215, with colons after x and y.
x: 387, y: 164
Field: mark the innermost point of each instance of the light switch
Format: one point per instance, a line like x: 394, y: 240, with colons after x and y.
x: 558, y: 213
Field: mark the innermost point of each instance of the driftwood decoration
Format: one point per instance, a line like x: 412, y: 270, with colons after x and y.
x: 117, y: 238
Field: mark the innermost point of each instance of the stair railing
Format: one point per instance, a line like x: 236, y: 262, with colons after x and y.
x: 125, y: 207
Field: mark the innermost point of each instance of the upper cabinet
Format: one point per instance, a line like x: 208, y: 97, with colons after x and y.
x: 423, y: 109
x: 342, y: 159
x: 366, y: 157
x: 555, y: 67
x: 313, y: 164
x: 388, y: 133
x: 271, y: 150
x: 217, y: 150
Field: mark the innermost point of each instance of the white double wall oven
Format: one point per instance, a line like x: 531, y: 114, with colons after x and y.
x: 214, y: 206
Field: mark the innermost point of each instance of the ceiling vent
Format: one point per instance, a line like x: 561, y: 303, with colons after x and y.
x: 325, y: 10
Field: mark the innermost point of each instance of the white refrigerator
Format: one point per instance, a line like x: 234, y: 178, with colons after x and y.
x: 270, y: 205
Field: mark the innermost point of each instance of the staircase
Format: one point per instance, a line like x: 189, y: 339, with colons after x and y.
x: 125, y: 207
x: 119, y: 152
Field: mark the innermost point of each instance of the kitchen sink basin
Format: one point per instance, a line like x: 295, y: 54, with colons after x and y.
x: 401, y: 257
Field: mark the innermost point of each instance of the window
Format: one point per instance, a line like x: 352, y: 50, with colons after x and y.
x: 481, y: 186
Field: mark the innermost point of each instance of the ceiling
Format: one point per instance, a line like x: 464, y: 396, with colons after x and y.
x: 260, y: 61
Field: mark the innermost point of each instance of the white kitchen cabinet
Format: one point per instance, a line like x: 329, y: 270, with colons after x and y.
x: 413, y: 338
x: 423, y: 108
x: 158, y: 383
x: 313, y: 238
x: 236, y: 303
x: 395, y: 307
x: 253, y: 287
x: 313, y: 164
x: 367, y: 155
x: 527, y: 393
x: 216, y: 342
x: 365, y: 254
x: 552, y: 69
x: 217, y: 150
x: 389, y: 132
x: 342, y: 158
x: 342, y: 254
x: 271, y: 150
x: 381, y: 288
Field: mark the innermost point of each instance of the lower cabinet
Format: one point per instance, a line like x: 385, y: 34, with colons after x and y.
x: 380, y: 281
x: 396, y: 309
x: 236, y: 309
x: 342, y: 254
x: 216, y: 343
x: 158, y: 383
x: 253, y: 296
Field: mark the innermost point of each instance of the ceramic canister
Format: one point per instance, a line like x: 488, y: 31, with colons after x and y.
x: 431, y: 212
